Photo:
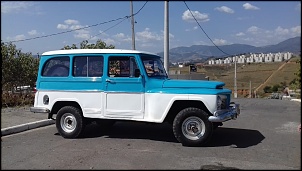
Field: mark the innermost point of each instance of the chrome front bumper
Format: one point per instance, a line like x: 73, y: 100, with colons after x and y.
x: 226, y: 114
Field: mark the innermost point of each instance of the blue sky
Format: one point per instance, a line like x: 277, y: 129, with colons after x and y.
x: 257, y: 23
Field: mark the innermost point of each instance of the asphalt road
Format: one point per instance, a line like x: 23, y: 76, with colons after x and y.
x: 265, y: 136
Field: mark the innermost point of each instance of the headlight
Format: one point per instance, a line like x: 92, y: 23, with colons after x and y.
x: 219, y: 102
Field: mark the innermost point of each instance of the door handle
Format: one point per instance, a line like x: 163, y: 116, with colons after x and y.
x: 109, y: 81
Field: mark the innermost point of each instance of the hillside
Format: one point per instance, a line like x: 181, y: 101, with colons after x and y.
x: 201, y: 53
x: 254, y: 73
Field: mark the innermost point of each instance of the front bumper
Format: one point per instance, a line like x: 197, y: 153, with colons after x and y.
x: 226, y: 114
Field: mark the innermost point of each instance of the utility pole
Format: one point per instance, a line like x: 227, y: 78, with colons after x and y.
x: 250, y: 89
x: 132, y: 23
x: 235, y: 79
x: 166, y: 37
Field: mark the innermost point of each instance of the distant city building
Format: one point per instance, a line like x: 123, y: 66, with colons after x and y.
x: 253, y: 58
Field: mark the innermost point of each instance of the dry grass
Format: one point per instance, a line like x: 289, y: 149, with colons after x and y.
x: 254, y: 73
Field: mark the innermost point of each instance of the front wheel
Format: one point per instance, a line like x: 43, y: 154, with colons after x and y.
x: 191, y: 127
x: 69, y: 122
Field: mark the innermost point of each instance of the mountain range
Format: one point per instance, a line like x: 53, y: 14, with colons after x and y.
x: 201, y: 53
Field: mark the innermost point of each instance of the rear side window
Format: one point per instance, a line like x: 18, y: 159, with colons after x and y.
x: 88, y: 66
x: 56, y: 67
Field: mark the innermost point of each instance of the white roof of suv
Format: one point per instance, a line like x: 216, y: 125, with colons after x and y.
x: 81, y: 51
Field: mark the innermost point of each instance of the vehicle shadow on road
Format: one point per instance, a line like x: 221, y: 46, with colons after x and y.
x: 222, y: 136
x: 235, y: 137
x: 133, y: 130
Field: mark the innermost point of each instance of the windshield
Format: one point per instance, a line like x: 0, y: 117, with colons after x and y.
x: 154, y: 67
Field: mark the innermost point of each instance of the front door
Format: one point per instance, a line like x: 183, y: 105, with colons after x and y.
x: 124, y: 89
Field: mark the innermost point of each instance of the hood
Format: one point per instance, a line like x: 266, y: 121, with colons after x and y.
x: 192, y: 84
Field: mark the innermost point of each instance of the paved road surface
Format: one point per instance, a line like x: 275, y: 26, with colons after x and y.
x: 265, y: 136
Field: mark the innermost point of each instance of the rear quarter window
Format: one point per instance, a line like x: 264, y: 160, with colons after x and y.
x: 56, y: 67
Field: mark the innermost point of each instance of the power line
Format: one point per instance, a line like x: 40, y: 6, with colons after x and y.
x: 78, y: 28
x: 119, y: 22
x: 205, y: 32
x: 106, y: 29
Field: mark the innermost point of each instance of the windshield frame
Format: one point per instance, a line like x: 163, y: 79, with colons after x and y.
x: 153, y: 66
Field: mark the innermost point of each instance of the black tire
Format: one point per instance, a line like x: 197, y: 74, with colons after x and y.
x: 70, y: 122
x: 189, y: 120
x: 105, y: 124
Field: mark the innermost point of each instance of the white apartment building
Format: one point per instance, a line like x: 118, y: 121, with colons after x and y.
x: 254, y: 58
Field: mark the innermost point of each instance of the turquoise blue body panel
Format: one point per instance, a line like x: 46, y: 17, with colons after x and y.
x: 125, y: 84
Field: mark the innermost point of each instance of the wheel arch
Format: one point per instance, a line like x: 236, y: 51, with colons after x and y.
x: 59, y: 104
x: 178, y: 105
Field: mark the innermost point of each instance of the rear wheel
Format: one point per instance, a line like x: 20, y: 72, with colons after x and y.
x: 69, y: 122
x: 191, y: 127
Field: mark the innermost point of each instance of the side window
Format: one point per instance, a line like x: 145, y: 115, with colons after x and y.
x: 123, y: 66
x: 56, y: 67
x: 88, y: 66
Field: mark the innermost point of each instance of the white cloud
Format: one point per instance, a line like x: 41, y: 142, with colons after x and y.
x: 147, y: 45
x: 220, y: 42
x: 147, y: 36
x: 249, y: 6
x: 194, y: 28
x: 70, y: 22
x: 109, y: 41
x: 74, y: 27
x: 280, y: 31
x: 296, y: 30
x: 15, y: 7
x: 187, y: 16
x: 33, y: 32
x: 200, y: 43
x: 225, y: 9
x: 82, y: 34
x: 240, y: 34
x: 103, y: 33
x: 16, y: 38
x: 260, y: 37
x: 253, y: 30
x: 120, y: 35
x: 171, y: 36
x: 62, y: 26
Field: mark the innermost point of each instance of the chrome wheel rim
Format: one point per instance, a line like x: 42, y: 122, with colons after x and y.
x: 193, y: 128
x: 68, y: 122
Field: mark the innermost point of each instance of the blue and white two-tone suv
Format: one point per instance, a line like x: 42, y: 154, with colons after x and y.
x: 81, y: 86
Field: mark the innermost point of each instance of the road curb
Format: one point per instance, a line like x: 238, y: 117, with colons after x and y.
x: 25, y: 127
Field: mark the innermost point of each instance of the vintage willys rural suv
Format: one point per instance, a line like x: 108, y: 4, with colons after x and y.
x: 81, y: 86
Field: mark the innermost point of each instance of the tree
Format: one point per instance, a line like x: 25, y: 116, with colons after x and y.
x: 267, y: 89
x: 275, y: 88
x: 18, y: 68
x: 85, y: 45
x: 296, y: 83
